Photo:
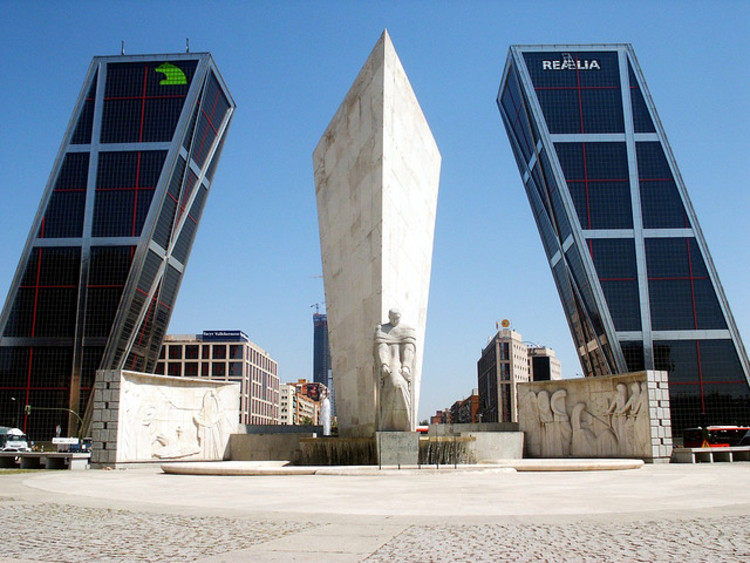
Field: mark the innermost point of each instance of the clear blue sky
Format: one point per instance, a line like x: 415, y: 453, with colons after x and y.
x: 256, y: 260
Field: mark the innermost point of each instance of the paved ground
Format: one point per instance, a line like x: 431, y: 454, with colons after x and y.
x: 657, y: 513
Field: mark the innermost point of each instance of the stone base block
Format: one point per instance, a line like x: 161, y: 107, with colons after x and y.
x: 397, y: 448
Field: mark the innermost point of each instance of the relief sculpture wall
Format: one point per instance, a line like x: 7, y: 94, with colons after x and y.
x: 144, y: 417
x: 617, y: 416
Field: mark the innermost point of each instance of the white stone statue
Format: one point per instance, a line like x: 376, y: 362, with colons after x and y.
x: 395, y: 351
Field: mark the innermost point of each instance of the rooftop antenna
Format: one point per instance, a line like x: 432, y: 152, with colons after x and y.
x: 187, y: 44
x: 122, y: 47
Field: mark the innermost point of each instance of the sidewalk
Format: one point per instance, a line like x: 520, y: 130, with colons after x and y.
x: 656, y: 513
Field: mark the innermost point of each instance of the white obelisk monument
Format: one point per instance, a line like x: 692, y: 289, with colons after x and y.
x: 377, y: 170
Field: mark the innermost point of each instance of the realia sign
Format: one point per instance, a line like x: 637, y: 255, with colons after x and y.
x: 568, y: 63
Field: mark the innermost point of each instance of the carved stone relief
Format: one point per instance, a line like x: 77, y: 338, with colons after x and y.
x: 174, y: 421
x: 607, y: 417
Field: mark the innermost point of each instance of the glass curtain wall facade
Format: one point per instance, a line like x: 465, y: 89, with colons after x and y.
x: 632, y: 268
x: 99, y: 274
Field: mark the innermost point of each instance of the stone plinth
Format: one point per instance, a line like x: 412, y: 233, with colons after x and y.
x: 397, y: 448
x: 377, y: 171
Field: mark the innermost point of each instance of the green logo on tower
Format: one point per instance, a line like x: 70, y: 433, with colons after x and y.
x: 172, y: 75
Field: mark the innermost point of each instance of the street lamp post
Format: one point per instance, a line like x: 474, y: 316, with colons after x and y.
x: 16, y: 404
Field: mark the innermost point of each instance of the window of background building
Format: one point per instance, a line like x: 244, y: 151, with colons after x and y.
x: 235, y: 351
x: 174, y: 368
x: 191, y: 369
x: 235, y: 369
x: 505, y: 372
x: 205, y: 368
x: 206, y: 351
x: 191, y: 352
x: 220, y: 351
x: 175, y: 352
x: 218, y: 369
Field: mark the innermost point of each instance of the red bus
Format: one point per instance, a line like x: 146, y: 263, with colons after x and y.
x: 718, y: 436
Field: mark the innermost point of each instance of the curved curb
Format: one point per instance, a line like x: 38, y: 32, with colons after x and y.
x: 236, y: 468
x: 567, y: 464
x: 498, y: 466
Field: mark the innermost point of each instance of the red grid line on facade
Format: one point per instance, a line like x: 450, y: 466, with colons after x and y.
x: 707, y: 383
x: 139, y: 188
x: 517, y: 107
x: 143, y: 97
x: 189, y: 189
x: 47, y: 287
x: 586, y: 178
x: 576, y: 87
x: 143, y: 102
x: 209, y: 120
x: 34, y: 389
x: 580, y: 112
x: 154, y: 301
x: 28, y: 386
x: 692, y: 283
x: 597, y: 180
x: 137, y: 179
x: 678, y: 278
x: 700, y: 375
x: 145, y: 323
x: 36, y: 290
x: 517, y: 121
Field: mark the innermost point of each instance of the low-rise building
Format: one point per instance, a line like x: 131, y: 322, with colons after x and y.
x: 301, y: 402
x: 441, y: 417
x: 465, y: 410
x: 287, y: 404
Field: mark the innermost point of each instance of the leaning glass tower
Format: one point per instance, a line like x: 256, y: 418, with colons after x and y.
x: 632, y: 268
x: 103, y: 262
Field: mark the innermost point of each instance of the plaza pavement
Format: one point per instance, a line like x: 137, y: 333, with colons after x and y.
x: 656, y: 513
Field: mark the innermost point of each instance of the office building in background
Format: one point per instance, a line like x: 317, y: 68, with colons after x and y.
x: 227, y: 355
x: 322, y: 356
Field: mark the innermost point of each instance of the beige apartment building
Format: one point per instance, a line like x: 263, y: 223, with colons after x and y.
x: 506, y: 361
